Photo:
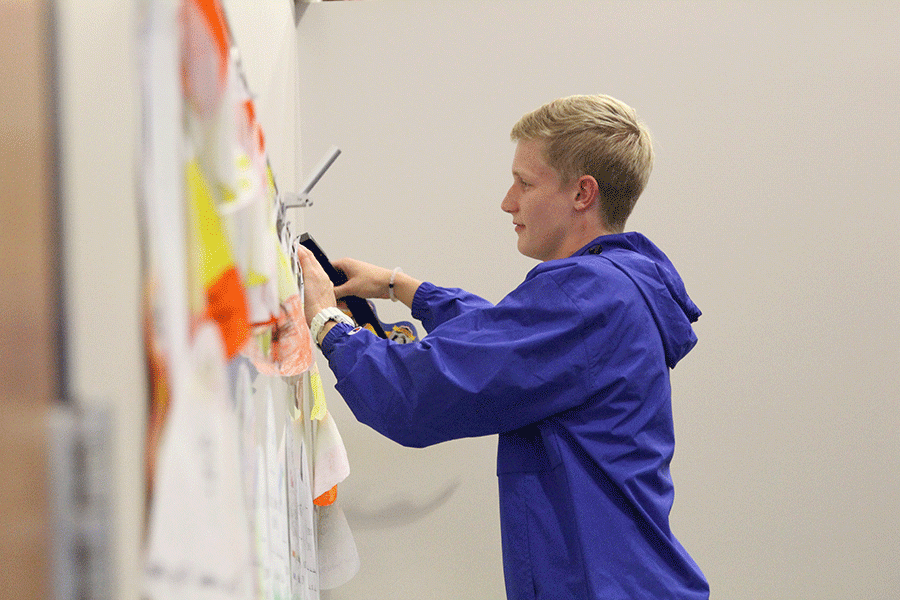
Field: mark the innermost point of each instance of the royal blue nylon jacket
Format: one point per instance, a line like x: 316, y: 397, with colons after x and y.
x: 571, y: 369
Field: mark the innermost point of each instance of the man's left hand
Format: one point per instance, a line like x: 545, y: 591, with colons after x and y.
x: 318, y: 291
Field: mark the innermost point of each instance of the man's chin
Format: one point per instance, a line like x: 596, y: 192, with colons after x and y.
x: 524, y: 250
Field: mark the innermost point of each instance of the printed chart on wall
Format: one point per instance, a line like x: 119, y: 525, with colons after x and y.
x: 244, y: 461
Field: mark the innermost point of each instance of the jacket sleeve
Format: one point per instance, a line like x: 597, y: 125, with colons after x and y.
x: 432, y: 305
x: 487, y: 370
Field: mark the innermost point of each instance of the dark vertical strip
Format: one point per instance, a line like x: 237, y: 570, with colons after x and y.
x: 56, y: 206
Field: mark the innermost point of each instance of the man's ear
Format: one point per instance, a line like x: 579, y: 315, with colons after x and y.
x: 588, y: 193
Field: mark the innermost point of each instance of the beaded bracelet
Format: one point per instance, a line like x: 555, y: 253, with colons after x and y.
x: 391, y: 284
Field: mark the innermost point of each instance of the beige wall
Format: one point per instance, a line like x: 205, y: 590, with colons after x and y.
x: 775, y: 193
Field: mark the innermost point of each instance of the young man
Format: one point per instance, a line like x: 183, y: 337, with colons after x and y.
x: 571, y: 369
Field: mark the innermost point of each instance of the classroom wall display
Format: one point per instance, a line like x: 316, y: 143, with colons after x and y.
x: 243, y: 458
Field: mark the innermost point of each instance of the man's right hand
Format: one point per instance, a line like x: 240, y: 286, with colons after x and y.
x: 369, y: 281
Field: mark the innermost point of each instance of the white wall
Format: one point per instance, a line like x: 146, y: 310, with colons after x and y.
x: 775, y: 193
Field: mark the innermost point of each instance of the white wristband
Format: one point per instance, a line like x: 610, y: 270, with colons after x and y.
x: 391, y: 284
x: 325, y: 315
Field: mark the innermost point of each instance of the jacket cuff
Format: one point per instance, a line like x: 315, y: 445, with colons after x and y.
x: 333, y: 335
x: 420, y: 308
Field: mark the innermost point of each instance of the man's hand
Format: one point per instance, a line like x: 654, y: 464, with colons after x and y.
x: 368, y: 281
x: 363, y: 280
x: 318, y: 291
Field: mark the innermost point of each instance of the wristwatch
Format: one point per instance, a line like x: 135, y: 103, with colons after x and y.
x: 327, y: 314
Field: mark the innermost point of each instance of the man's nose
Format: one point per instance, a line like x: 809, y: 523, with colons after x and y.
x: 508, y: 204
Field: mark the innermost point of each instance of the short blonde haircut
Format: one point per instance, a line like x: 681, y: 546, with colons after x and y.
x: 597, y: 136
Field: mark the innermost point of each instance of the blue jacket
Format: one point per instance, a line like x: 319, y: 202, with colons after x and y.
x: 571, y: 369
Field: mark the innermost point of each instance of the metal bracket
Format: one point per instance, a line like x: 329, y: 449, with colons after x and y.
x: 288, y: 200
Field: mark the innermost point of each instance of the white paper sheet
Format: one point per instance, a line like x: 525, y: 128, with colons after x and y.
x: 330, y: 459
x: 338, y: 557
x: 304, y: 564
x: 277, y: 500
x: 263, y: 560
x: 199, y: 539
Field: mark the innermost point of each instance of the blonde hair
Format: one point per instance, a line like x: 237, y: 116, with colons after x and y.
x: 597, y: 136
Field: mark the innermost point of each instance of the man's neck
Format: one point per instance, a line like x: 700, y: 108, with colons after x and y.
x: 584, y: 236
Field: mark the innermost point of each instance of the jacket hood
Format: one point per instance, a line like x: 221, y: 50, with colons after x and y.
x: 660, y: 285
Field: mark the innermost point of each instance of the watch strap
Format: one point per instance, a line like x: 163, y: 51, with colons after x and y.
x: 328, y: 314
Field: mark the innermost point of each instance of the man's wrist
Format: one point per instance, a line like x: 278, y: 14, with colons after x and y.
x: 404, y: 287
x: 324, y: 331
